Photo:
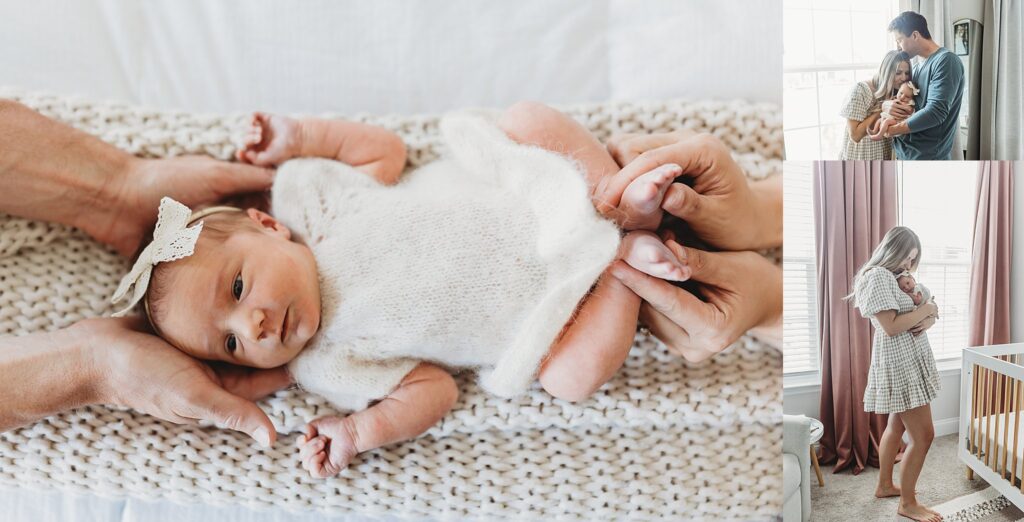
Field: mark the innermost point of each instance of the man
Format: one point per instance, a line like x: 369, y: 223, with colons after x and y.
x: 927, y: 134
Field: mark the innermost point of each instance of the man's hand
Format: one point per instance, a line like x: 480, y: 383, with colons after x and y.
x: 141, y: 371
x: 897, y: 109
x: 192, y: 180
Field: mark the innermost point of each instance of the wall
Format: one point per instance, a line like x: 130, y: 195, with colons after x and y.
x: 974, y: 9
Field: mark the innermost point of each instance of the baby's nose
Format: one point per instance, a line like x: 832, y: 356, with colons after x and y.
x: 257, y: 323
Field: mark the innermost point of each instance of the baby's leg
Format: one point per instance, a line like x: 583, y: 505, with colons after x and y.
x: 594, y: 345
x: 883, y: 129
x: 641, y: 201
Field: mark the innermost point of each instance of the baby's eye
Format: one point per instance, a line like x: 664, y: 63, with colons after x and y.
x: 231, y: 343
x: 236, y: 287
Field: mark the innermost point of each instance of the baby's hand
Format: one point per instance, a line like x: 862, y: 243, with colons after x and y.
x: 272, y: 140
x: 327, y: 447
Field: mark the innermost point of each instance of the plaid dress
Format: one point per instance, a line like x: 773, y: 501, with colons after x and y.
x: 858, y: 103
x: 902, y: 375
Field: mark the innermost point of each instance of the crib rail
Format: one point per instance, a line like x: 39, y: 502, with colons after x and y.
x: 991, y: 400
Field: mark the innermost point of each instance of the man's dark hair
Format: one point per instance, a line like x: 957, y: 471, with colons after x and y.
x: 908, y: 22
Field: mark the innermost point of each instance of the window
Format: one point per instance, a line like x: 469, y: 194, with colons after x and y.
x: 827, y: 48
x: 799, y: 272
x: 936, y: 200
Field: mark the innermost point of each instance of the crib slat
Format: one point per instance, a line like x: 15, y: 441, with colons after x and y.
x: 1016, y: 428
x: 979, y: 373
x: 986, y: 440
x: 975, y: 414
x: 994, y: 438
x: 1003, y: 472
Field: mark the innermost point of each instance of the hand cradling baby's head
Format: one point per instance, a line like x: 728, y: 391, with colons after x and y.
x: 249, y: 295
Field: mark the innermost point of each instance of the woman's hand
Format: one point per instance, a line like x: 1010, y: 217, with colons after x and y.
x: 141, y: 371
x: 722, y: 207
x: 192, y: 180
x: 925, y: 324
x: 742, y: 290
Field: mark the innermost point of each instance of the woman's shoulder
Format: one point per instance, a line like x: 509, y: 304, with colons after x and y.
x: 878, y: 275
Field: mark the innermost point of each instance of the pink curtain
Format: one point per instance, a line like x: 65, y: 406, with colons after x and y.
x: 854, y: 206
x: 989, y: 307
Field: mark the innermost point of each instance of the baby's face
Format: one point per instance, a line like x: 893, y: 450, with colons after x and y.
x: 906, y: 93
x: 906, y: 283
x: 253, y: 300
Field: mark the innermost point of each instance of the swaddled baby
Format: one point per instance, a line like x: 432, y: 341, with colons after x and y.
x: 917, y: 292
x: 369, y: 291
x: 905, y: 95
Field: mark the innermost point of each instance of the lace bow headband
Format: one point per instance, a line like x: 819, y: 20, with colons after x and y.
x: 173, y: 239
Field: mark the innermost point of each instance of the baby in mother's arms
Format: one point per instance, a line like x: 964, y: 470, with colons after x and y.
x: 372, y: 288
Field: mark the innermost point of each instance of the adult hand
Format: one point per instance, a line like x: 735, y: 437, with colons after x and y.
x: 722, y: 208
x: 192, y: 180
x: 141, y: 371
x: 925, y: 324
x: 898, y: 109
x: 743, y: 290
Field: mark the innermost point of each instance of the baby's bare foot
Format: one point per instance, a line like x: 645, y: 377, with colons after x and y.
x: 270, y: 141
x: 887, y: 491
x: 646, y: 253
x: 919, y: 513
x: 641, y: 201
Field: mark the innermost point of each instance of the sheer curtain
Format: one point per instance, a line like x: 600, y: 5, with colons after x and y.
x: 854, y: 206
x: 1001, y: 75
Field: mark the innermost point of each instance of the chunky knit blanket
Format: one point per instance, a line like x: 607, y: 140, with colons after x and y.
x: 663, y: 440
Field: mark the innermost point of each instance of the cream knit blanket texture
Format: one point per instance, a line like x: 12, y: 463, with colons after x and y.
x: 664, y: 439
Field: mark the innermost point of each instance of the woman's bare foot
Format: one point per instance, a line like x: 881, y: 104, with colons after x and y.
x: 641, y: 201
x: 645, y: 252
x: 919, y: 513
x: 887, y: 491
x: 271, y: 140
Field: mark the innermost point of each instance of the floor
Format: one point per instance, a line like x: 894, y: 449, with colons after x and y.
x: 851, y: 497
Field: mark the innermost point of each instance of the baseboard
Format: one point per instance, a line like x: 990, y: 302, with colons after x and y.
x: 947, y: 426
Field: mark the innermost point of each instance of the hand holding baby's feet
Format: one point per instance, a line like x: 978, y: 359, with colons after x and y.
x: 271, y: 140
x: 641, y: 201
x: 645, y: 252
x: 327, y: 447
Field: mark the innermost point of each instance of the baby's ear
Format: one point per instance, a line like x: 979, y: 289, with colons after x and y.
x: 268, y: 223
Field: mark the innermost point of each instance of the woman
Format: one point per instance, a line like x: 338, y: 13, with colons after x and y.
x: 902, y: 379
x: 863, y: 107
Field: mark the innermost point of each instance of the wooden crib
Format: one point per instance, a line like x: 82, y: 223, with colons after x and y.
x: 991, y: 395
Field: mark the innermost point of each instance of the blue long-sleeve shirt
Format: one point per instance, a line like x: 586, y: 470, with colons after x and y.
x: 933, y: 126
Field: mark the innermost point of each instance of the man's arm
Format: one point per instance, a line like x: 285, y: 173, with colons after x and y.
x: 50, y: 171
x: 53, y: 172
x: 42, y: 374
x: 110, y: 361
x: 942, y: 85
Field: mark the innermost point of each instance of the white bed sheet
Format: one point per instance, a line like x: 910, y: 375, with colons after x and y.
x: 385, y: 56
x: 390, y: 56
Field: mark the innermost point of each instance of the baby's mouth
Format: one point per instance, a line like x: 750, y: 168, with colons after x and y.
x: 284, y: 326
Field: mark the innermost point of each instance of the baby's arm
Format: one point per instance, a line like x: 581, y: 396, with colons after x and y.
x: 422, y: 399
x: 374, y: 150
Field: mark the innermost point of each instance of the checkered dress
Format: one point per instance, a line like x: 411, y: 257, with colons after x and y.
x: 858, y: 103
x: 902, y: 374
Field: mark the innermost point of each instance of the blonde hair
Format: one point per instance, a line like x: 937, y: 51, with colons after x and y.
x: 885, y: 79
x: 894, y: 248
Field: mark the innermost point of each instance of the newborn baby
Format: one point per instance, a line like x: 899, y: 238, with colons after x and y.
x: 905, y: 95
x: 369, y: 292
x: 919, y: 293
